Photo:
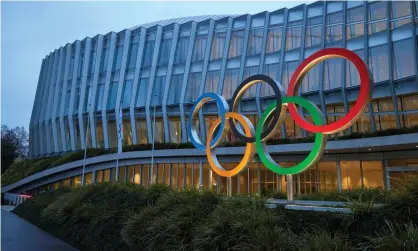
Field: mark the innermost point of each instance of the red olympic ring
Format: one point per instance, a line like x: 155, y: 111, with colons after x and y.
x: 366, y: 83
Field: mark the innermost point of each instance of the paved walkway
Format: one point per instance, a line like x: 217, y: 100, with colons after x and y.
x: 19, y: 235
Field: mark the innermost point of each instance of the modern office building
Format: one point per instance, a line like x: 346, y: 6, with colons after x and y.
x: 157, y: 70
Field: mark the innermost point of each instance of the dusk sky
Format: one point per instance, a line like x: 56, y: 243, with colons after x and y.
x: 31, y: 30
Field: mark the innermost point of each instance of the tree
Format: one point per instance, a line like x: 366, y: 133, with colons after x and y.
x: 14, y: 144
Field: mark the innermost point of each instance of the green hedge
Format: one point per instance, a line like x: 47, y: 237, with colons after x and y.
x: 18, y: 171
x: 129, y: 217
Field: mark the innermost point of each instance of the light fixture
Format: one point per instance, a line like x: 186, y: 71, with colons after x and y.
x: 370, y: 149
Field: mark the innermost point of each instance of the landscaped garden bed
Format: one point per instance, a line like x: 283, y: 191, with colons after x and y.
x: 129, y: 217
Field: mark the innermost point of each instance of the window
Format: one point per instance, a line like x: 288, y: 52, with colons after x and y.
x: 350, y: 174
x: 218, y: 44
x: 354, y: 30
x: 270, y: 70
x: 379, y: 62
x: 334, y: 33
x: 126, y: 93
x: 255, y: 42
x: 314, y: 20
x: 133, y: 51
x: 383, y: 114
x: 289, y: 68
x: 400, y: 9
x: 149, y: 51
x: 182, y: 47
x: 175, y: 130
x: 274, y: 39
x: 250, y: 71
x: 100, y: 93
x: 87, y: 97
x: 377, y: 27
x: 212, y: 81
x: 403, y: 59
x: 164, y: 52
x: 236, y: 44
x: 355, y: 14
x: 141, y: 131
x: 112, y: 131
x: 199, y: 47
x: 334, y: 18
x: 175, y: 89
x: 91, y: 62
x: 377, y: 11
x: 141, y: 93
x: 293, y: 38
x: 352, y: 77
x: 113, y: 91
x: 230, y: 82
x: 313, y: 36
x: 409, y: 110
x: 332, y: 73
x: 118, y: 58
x: 193, y: 85
x: 158, y: 90
x: 311, y: 80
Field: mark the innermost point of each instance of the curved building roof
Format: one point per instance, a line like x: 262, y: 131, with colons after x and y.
x: 182, y: 20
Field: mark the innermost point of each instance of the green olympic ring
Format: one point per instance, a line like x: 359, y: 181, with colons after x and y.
x: 318, y: 146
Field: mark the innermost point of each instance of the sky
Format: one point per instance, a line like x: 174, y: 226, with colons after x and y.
x: 31, y: 30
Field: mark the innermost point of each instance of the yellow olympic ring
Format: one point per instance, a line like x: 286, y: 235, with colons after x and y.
x: 249, y: 149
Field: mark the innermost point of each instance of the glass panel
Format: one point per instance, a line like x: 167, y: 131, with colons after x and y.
x: 76, y: 181
x: 133, y: 53
x: 106, y: 175
x: 400, y: 9
x: 313, y: 36
x: 127, y: 132
x: 355, y: 14
x: 403, y: 59
x: 336, y: 17
x: 113, y: 91
x: 181, y: 177
x: 99, y: 176
x: 164, y: 52
x: 99, y: 134
x: 355, y: 30
x: 236, y: 43
x: 121, y: 175
x: 377, y: 27
x: 159, y: 130
x: 379, y: 62
x: 126, y: 94
x: 212, y: 80
x: 189, y: 170
x: 112, y: 131
x: 193, y: 85
x: 274, y: 39
x: 130, y: 174
x: 230, y: 82
x: 141, y: 95
x: 377, y: 11
x: 289, y: 68
x: 270, y: 70
x: 334, y: 33
x: 137, y: 174
x: 218, y: 44
x: 149, y: 51
x: 175, y: 129
x: 332, y: 73
x: 350, y: 174
x: 311, y: 80
x: 199, y: 47
x: 372, y: 174
x: 175, y: 89
x: 141, y: 131
x: 118, y: 58
x: 250, y: 71
x: 293, y: 38
x: 145, y: 175
x: 328, y: 176
x: 158, y: 91
x: 352, y: 76
x: 255, y: 42
x: 182, y: 47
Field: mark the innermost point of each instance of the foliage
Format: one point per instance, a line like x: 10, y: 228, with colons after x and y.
x: 129, y: 217
x: 362, y: 195
x: 14, y: 144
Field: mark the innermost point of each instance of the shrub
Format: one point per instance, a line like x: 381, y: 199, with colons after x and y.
x: 168, y: 225
x: 324, y: 241
x: 396, y: 237
x: 376, y: 195
x: 243, y: 224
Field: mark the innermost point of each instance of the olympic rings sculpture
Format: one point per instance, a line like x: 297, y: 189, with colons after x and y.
x: 255, y: 138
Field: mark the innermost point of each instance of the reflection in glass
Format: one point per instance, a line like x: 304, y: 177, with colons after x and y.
x: 141, y: 131
x: 212, y: 80
x: 127, y: 132
x: 158, y: 91
x: 352, y: 76
x: 400, y: 9
x: 289, y: 68
x: 332, y: 73
x: 164, y: 52
x: 175, y: 129
x: 182, y: 47
x: 175, y: 89
x: 112, y: 131
x: 218, y: 43
x: 230, y: 82
x: 255, y: 41
x: 236, y: 43
x: 293, y: 38
x: 355, y: 14
x: 274, y: 39
x: 334, y: 33
x: 379, y: 62
x: 193, y: 85
x: 149, y: 51
x: 377, y: 27
x: 377, y: 11
x: 199, y: 47
x: 350, y: 174
x: 141, y: 92
x: 248, y: 72
x: 313, y: 36
x: 126, y: 93
x: 270, y: 70
x: 403, y: 59
x: 355, y: 30
x: 372, y: 174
